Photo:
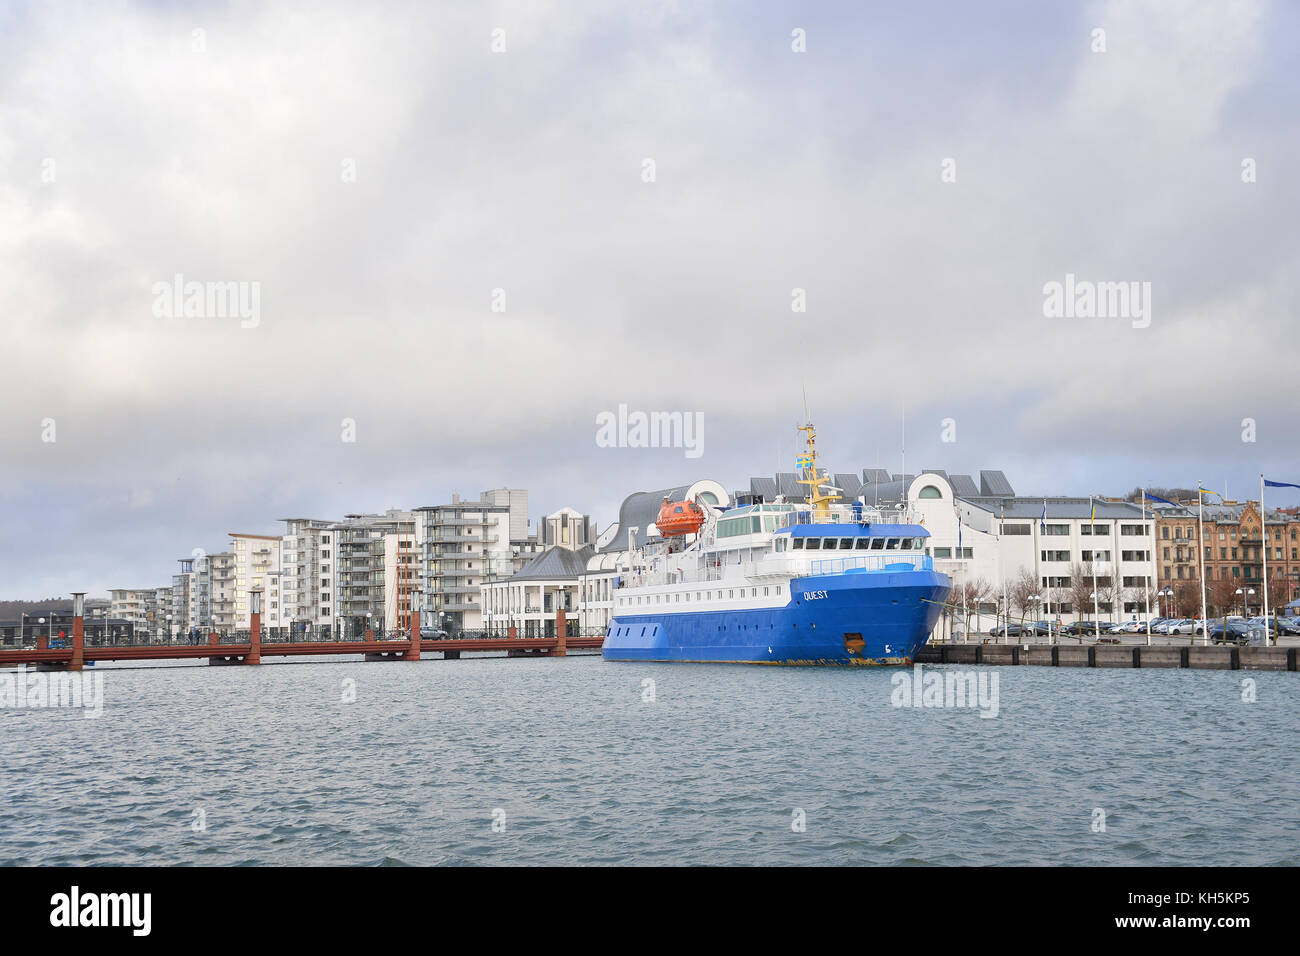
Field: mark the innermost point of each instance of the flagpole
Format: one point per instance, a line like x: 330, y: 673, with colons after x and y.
x: 1200, y: 550
x: 1047, y: 589
x: 1006, y: 609
x: 1263, y: 533
x: 1147, y: 589
x: 1096, y: 608
x: 965, y: 620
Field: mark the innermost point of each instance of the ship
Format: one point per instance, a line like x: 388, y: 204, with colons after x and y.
x: 817, y: 581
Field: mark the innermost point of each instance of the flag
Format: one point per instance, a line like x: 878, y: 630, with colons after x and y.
x: 1042, y: 519
x: 1151, y: 497
x: 1093, y: 516
x: 1280, y: 484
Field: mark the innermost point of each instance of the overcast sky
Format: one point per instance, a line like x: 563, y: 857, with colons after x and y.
x: 379, y: 170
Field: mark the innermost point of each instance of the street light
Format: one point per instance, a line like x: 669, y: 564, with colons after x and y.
x: 1168, y: 592
x: 1245, y: 610
x: 1096, y: 616
x: 1037, y: 600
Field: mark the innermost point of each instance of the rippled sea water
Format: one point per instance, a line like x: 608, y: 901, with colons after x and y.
x: 418, y: 767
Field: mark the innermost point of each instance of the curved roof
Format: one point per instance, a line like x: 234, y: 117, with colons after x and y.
x: 555, y: 563
x: 640, y: 510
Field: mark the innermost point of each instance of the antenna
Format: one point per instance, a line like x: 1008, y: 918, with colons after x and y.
x: 806, y: 416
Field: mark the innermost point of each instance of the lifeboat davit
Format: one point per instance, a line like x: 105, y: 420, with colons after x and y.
x: 678, y: 518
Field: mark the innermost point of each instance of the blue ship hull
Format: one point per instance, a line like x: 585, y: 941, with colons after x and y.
x: 853, y: 618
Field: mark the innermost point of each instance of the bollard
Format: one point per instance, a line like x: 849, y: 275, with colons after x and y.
x: 413, y: 652
x: 561, y: 634
x: 254, y: 627
x: 78, y: 631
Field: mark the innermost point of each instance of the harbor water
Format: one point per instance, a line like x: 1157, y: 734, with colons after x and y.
x: 581, y: 761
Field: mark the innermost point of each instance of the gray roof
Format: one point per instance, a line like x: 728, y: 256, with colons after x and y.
x: 850, y: 484
x: 556, y: 563
x: 763, y: 487
x: 1020, y: 508
x: 787, y: 483
x: 995, y: 483
x: 963, y: 486
x: 872, y: 476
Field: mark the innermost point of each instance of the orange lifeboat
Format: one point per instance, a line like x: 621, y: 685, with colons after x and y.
x: 678, y: 518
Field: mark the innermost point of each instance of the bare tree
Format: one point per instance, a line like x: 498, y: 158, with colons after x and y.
x: 1021, y: 591
x: 1080, y: 589
x: 970, y: 596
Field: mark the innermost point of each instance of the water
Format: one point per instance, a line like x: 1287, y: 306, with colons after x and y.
x: 587, y: 772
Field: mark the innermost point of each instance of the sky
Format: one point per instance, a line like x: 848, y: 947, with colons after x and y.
x: 473, y: 229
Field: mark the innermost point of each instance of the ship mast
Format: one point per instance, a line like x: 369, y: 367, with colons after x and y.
x: 817, y: 498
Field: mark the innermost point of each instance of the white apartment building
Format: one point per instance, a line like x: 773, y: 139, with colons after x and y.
x: 256, y: 566
x: 461, y: 545
x: 222, y: 567
x: 307, y: 574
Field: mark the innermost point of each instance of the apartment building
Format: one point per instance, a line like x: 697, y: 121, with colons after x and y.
x: 308, y: 564
x: 222, y: 601
x: 371, y: 552
x: 461, y: 545
x: 1233, y: 542
x: 257, y: 566
x: 131, y: 605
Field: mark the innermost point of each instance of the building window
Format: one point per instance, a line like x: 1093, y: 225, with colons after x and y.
x: 930, y: 491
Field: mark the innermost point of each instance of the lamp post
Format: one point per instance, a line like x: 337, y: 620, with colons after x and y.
x: 1166, y: 594
x: 1245, y: 599
x: 1036, y: 600
x: 1096, y: 617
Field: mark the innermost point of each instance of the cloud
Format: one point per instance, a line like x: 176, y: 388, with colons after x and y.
x: 225, y: 156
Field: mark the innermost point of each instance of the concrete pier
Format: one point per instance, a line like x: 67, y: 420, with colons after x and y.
x: 1222, y: 657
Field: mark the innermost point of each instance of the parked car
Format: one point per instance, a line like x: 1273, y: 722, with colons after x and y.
x: 1289, y: 626
x: 1009, y: 630
x: 1235, y: 632
x: 429, y: 633
x: 1184, y: 626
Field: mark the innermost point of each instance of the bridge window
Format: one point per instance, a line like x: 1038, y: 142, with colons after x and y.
x: 813, y: 544
x: 797, y: 543
x: 846, y: 544
x: 892, y: 544
x: 877, y: 544
x: 862, y: 544
x: 830, y: 544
